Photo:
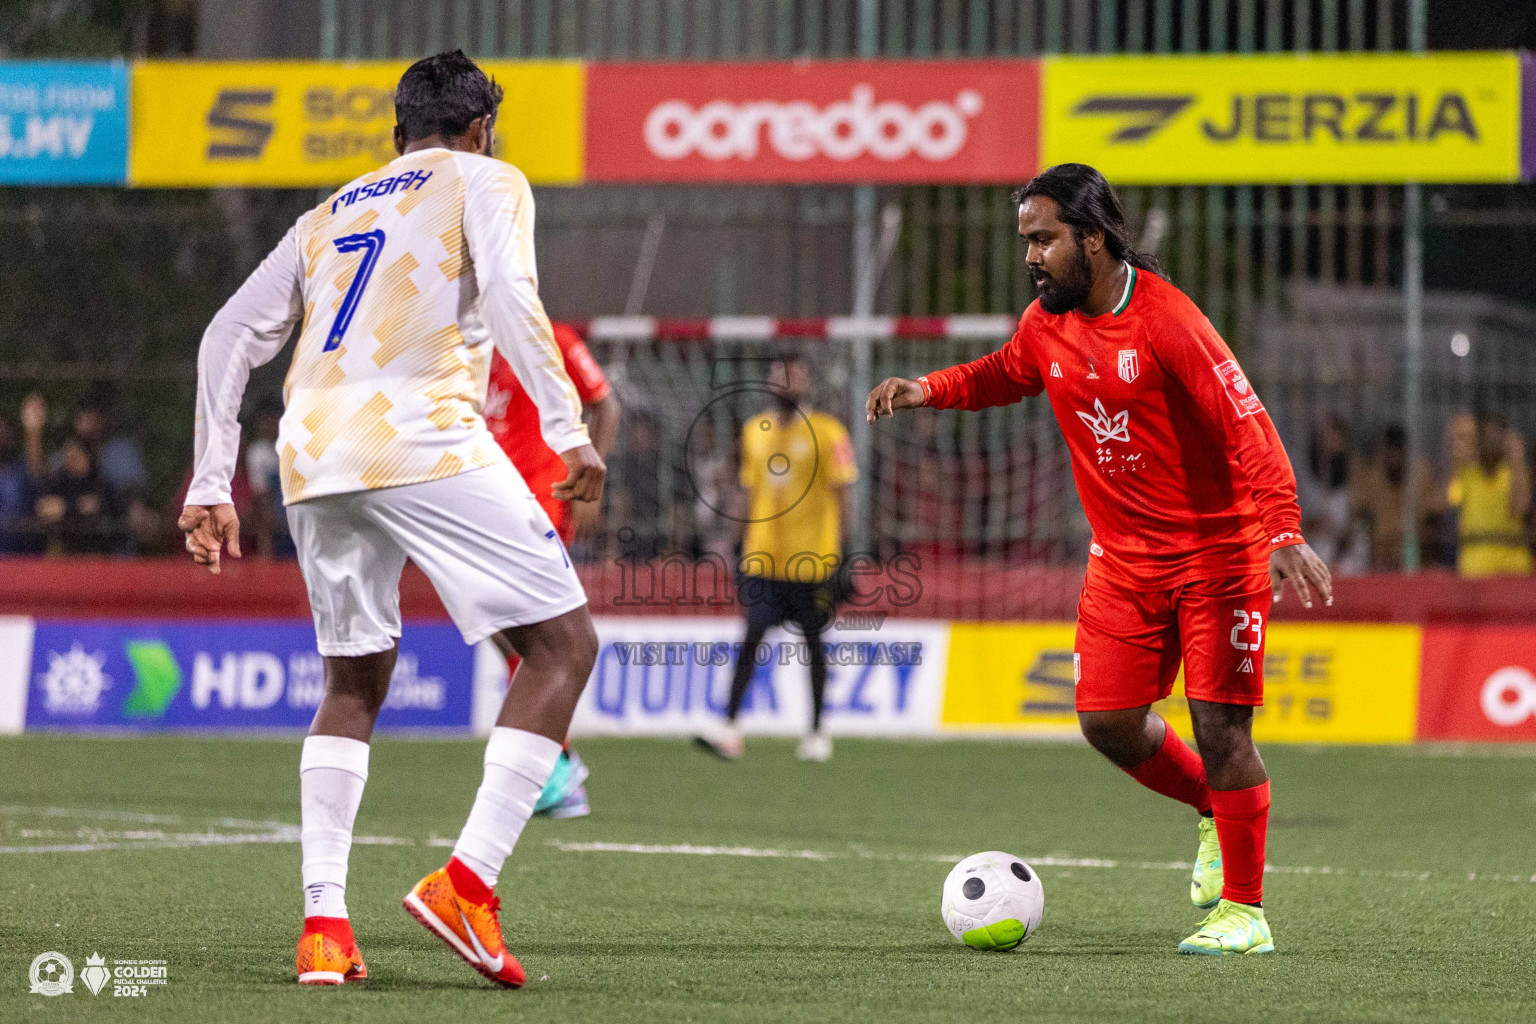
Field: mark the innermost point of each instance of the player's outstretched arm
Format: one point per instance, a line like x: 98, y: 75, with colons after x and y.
x: 248, y: 332
x: 1306, y: 571
x: 891, y: 394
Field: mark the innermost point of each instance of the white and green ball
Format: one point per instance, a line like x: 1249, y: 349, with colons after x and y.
x: 993, y: 901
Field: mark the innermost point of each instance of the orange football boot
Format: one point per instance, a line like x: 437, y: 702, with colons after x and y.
x: 456, y: 906
x: 328, y: 953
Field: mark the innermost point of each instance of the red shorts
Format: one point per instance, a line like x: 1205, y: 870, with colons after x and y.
x: 1129, y: 643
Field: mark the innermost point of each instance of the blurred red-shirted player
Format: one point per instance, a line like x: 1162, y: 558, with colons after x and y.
x: 1193, y: 507
x: 514, y: 422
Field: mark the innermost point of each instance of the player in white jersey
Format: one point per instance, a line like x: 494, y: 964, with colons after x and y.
x: 403, y: 281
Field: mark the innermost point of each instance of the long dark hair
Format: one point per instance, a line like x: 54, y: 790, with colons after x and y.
x: 1089, y: 204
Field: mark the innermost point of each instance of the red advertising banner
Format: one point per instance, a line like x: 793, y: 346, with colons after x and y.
x: 1478, y: 683
x: 810, y: 121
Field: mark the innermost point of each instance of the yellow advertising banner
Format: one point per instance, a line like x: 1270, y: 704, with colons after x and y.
x: 302, y: 123
x: 1325, y: 683
x: 1308, y: 118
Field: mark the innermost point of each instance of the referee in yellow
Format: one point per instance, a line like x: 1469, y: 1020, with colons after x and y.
x: 797, y: 469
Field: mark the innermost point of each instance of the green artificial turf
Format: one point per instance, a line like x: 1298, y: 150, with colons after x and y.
x: 1406, y: 888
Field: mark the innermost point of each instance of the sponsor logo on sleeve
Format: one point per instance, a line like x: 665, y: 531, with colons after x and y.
x: 1239, y: 391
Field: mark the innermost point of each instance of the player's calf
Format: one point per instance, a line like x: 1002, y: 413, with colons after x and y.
x: 557, y: 656
x: 1239, y: 795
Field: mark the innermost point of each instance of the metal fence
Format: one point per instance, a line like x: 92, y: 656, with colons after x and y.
x: 1250, y: 255
x: 1232, y: 248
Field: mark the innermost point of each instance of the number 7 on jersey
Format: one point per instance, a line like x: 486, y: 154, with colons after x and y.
x: 372, y: 243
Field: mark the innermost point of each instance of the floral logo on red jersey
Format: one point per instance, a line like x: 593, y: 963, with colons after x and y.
x: 1106, y: 427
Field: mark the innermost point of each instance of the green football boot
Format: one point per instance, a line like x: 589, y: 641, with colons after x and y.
x: 1205, y: 883
x: 1232, y: 929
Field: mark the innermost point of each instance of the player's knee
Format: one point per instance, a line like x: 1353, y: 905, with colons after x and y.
x: 566, y: 647
x: 1118, y: 737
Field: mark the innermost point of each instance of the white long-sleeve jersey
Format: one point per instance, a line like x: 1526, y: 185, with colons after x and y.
x: 404, y: 279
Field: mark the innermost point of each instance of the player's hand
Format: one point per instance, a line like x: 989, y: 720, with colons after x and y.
x: 584, y: 479
x: 1300, y: 564
x: 893, y: 393
x: 208, y: 529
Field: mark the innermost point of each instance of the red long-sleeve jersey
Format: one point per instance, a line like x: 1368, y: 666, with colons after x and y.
x: 514, y: 419
x: 1178, y: 465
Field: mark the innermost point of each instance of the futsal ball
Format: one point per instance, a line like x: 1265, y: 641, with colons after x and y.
x: 992, y: 901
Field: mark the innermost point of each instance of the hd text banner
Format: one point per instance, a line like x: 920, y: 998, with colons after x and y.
x: 1321, y: 118
x: 670, y: 676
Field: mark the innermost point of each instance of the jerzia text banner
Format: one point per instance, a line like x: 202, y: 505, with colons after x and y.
x: 1446, y: 117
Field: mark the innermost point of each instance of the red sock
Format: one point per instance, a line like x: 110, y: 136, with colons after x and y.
x: 1175, y: 771
x: 1242, y: 821
x: 468, y: 884
x: 338, y: 928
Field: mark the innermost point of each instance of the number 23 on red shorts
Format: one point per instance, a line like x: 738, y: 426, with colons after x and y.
x: 1130, y: 643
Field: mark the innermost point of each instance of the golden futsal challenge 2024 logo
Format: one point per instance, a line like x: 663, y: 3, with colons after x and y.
x: 53, y: 974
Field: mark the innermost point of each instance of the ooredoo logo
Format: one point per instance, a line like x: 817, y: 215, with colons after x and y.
x: 799, y: 130
x: 1509, y: 696
x: 784, y: 122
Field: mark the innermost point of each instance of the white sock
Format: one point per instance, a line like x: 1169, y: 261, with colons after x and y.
x: 517, y: 765
x: 332, y: 772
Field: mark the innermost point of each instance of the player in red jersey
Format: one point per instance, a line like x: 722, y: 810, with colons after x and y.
x: 1195, y: 524
x: 514, y: 422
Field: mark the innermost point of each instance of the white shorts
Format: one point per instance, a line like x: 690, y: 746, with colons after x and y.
x: 480, y: 537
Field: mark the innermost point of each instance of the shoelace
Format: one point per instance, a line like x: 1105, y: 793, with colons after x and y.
x: 1210, y: 918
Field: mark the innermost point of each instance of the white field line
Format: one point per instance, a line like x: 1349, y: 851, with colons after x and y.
x: 686, y: 849
x: 283, y: 832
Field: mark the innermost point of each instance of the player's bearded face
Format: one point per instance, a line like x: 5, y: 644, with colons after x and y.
x: 1063, y: 277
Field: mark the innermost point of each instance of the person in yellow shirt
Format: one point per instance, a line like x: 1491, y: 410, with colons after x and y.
x: 797, y: 466
x: 1493, y: 493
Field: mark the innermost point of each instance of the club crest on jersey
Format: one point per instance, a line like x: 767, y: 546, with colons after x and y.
x: 1129, y: 367
x: 1105, y: 427
x: 1239, y: 392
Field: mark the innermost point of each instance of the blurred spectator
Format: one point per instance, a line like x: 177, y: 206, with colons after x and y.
x: 636, y: 502
x: 15, y: 492
x: 1492, y: 491
x: 77, y: 509
x: 1322, y: 489
x: 713, y: 475
x: 269, y: 522
x: 1376, y: 501
x: 34, y: 420
x: 1461, y: 439
x: 118, y: 456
